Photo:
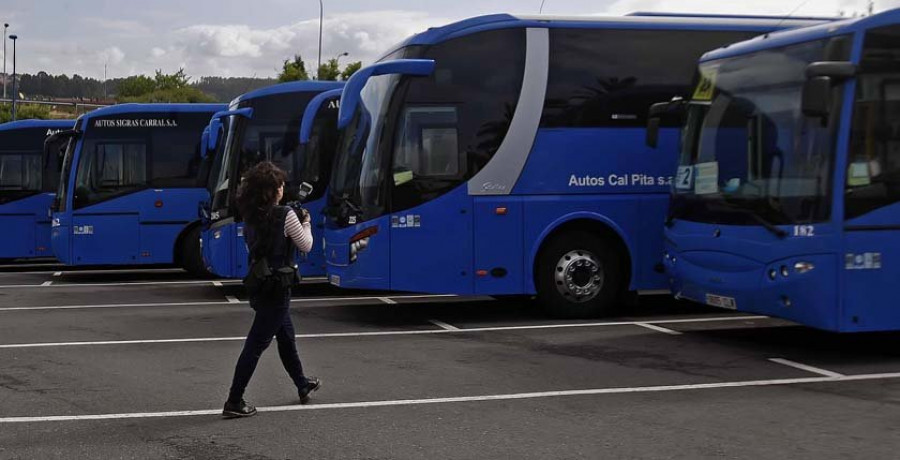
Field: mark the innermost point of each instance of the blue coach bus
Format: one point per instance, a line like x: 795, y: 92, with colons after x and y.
x: 266, y: 125
x: 505, y: 155
x: 28, y: 179
x: 128, y: 193
x: 787, y: 201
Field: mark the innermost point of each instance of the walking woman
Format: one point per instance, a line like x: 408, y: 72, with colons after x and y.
x: 269, y: 230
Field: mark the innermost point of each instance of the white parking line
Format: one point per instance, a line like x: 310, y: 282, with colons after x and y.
x: 804, y: 367
x: 443, y: 325
x: 127, y: 283
x: 56, y: 274
x: 373, y: 333
x: 203, y: 303
x: 658, y: 329
x: 312, y: 280
x: 232, y: 299
x: 467, y: 399
x: 217, y: 283
x: 47, y: 283
x: 387, y: 300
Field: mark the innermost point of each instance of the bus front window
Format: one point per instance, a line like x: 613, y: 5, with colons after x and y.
x: 749, y: 155
x: 357, y: 186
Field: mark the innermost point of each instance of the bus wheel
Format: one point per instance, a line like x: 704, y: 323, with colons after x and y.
x: 191, y: 257
x: 579, y: 275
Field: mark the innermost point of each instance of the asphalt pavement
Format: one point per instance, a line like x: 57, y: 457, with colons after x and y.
x: 137, y: 363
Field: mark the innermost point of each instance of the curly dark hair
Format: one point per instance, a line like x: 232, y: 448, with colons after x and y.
x: 257, y: 193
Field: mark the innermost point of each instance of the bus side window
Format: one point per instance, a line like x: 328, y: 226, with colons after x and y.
x: 428, y: 145
x: 873, y: 169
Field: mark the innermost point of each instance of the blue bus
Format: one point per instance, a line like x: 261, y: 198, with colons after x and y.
x: 128, y: 192
x: 28, y: 179
x: 505, y: 155
x: 787, y: 197
x: 266, y: 125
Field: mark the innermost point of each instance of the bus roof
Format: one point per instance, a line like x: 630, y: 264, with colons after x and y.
x: 26, y: 124
x: 790, y: 37
x: 121, y: 109
x: 290, y: 87
x: 638, y: 21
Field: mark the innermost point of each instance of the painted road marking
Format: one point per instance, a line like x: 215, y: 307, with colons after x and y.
x: 47, y: 283
x: 56, y: 274
x: 374, y: 333
x: 232, y: 299
x: 387, y: 300
x: 140, y: 283
x: 217, y: 283
x: 466, y: 399
x: 804, y: 367
x: 658, y: 329
x: 443, y: 325
x: 204, y: 303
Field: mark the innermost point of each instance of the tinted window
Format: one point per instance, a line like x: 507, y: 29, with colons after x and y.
x: 317, y: 158
x: 176, y: 153
x: 109, y: 169
x: 135, y: 151
x: 22, y: 167
x: 611, y: 77
x: 873, y: 172
x: 451, y: 123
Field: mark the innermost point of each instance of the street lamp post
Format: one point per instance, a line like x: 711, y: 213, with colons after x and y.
x: 321, y: 18
x: 5, y: 26
x: 339, y: 56
x: 15, y: 86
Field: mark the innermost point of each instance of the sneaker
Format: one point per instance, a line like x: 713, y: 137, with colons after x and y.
x: 237, y: 410
x: 312, y: 384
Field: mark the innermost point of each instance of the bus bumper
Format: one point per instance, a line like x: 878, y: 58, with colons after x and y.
x: 798, y: 288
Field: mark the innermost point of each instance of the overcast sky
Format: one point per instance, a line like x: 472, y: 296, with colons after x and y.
x: 251, y: 37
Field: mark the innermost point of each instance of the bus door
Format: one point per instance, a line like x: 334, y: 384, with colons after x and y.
x: 106, y: 231
x: 431, y: 227
x: 871, y: 246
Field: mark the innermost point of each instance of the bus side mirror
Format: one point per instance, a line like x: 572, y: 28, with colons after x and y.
x: 674, y: 107
x: 652, y: 139
x: 821, y: 77
x: 816, y: 99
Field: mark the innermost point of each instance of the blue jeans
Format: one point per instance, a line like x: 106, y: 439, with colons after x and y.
x: 268, y: 322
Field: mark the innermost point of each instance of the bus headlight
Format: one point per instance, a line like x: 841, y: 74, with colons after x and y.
x: 803, y: 267
x: 360, y: 242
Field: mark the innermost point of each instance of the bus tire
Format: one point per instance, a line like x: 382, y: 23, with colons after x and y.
x: 191, y: 257
x: 579, y: 275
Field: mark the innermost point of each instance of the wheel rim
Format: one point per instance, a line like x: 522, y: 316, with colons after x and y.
x: 579, y: 276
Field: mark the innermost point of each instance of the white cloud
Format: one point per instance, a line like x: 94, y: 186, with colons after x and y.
x: 242, y: 50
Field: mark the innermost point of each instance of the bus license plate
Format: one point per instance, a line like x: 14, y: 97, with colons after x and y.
x: 335, y: 280
x: 721, y: 301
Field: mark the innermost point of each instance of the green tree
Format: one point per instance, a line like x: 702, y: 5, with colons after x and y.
x: 176, y: 80
x: 293, y: 70
x: 329, y: 70
x: 136, y: 86
x: 351, y: 69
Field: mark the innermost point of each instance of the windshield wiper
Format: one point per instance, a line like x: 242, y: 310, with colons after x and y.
x: 772, y: 228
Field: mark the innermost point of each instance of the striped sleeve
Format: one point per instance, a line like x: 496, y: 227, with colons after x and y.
x: 300, y: 234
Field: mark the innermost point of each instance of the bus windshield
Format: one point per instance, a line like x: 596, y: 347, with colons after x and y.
x: 316, y: 160
x: 20, y: 174
x: 356, y: 185
x: 749, y: 156
x: 271, y: 134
